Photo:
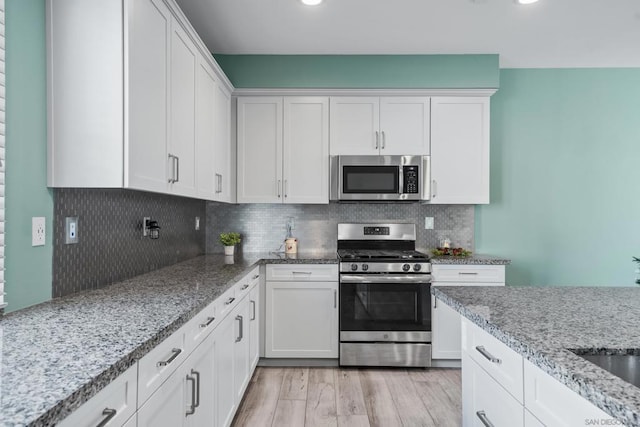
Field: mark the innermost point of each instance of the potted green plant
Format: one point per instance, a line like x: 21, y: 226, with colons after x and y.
x: 229, y: 241
x: 637, y: 261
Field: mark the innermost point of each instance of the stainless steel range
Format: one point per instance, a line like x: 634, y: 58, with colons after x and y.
x: 385, y: 301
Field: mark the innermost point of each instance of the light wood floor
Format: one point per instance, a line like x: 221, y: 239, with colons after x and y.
x: 298, y: 397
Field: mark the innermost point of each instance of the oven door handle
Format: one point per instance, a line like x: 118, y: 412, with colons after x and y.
x: 385, y: 278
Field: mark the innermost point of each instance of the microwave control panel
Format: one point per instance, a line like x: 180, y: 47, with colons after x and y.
x: 410, y: 178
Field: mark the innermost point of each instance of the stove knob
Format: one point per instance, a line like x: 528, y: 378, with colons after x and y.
x: 406, y: 267
x: 354, y: 267
x: 365, y: 267
x: 417, y: 267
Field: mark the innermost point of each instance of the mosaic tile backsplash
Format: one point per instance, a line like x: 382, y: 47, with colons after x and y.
x: 263, y: 226
x: 111, y: 247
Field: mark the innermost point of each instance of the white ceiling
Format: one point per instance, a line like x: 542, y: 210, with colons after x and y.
x: 549, y: 34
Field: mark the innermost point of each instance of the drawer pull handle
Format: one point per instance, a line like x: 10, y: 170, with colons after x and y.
x: 244, y: 287
x: 208, y: 322
x: 109, y: 414
x: 255, y: 277
x: 176, y: 352
x: 484, y: 419
x: 229, y: 301
x: 490, y: 357
x: 474, y: 273
x: 302, y: 272
x: 241, y: 327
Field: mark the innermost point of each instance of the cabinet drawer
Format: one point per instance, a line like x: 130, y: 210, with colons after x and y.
x: 468, y: 273
x: 500, y: 362
x: 554, y: 404
x: 484, y: 399
x: 246, y: 283
x: 303, y: 272
x: 202, y: 324
x: 226, y: 302
x: 117, y: 401
x: 155, y: 367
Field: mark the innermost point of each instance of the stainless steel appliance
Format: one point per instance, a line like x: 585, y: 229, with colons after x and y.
x: 380, y: 178
x: 385, y: 310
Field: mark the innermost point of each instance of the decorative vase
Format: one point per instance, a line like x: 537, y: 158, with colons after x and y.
x: 228, y: 250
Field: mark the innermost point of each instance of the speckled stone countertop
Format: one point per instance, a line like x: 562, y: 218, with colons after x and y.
x: 57, y: 355
x: 475, y: 259
x: 542, y: 323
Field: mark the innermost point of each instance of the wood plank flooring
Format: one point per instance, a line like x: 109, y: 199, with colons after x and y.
x: 309, y: 397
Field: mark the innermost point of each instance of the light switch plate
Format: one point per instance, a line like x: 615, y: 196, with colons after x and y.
x: 71, y: 230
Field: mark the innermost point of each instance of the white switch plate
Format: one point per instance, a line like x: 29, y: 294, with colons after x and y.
x: 428, y: 223
x: 37, y: 231
x: 71, y: 230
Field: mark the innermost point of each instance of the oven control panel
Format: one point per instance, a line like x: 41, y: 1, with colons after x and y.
x: 376, y: 231
x: 385, y: 267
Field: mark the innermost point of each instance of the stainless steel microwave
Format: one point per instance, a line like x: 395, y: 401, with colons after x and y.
x: 380, y: 178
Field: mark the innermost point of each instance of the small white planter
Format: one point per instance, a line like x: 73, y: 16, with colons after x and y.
x: 228, y: 250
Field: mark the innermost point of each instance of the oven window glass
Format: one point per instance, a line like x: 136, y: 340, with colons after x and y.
x: 385, y: 307
x: 370, y: 179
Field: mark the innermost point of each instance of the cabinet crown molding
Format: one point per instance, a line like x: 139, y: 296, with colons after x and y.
x: 362, y: 92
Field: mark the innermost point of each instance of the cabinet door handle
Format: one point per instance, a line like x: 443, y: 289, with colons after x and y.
x: 435, y: 303
x: 177, y: 160
x: 434, y: 184
x: 484, y: 419
x: 253, y: 310
x: 384, y: 140
x: 377, y: 138
x: 176, y: 352
x: 109, y: 414
x: 286, y: 188
x: 335, y: 298
x: 229, y: 301
x: 207, y: 322
x: 197, y: 375
x: 279, y: 183
x: 192, y: 407
x: 173, y: 168
x: 220, y: 184
x: 240, y: 335
x: 490, y: 357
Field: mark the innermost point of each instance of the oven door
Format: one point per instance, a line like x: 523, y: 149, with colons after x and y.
x: 385, y: 302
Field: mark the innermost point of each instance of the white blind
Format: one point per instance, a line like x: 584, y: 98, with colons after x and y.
x: 2, y: 157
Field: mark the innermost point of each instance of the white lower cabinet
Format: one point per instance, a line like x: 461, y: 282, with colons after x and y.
x: 166, y: 407
x: 254, y: 326
x: 241, y: 317
x: 224, y: 337
x: 445, y: 321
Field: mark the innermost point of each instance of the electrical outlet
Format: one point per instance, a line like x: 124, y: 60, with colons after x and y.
x: 145, y: 227
x: 71, y: 230
x: 428, y: 223
x: 197, y: 223
x: 37, y: 231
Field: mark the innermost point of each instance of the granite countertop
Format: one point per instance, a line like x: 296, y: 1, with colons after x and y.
x: 57, y: 355
x: 541, y: 323
x: 475, y: 259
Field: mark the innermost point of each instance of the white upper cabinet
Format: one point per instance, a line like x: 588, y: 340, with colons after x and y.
x: 380, y: 125
x: 223, y: 170
x: 124, y: 103
x: 460, y: 150
x: 283, y: 150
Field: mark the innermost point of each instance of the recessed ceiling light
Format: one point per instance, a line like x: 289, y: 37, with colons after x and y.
x: 526, y: 1
x: 311, y: 2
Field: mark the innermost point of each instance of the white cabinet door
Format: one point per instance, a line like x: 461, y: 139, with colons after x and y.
x: 224, y: 337
x: 167, y: 406
x: 148, y: 108
x: 183, y: 60
x: 200, y: 368
x: 460, y: 150
x: 484, y: 401
x: 446, y: 338
x: 301, y: 319
x: 205, y: 122
x: 306, y: 150
x: 355, y: 125
x: 404, y: 126
x: 260, y: 150
x: 254, y: 326
x: 241, y: 347
x: 222, y: 144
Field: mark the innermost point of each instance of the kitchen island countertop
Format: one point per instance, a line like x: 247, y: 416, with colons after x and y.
x: 542, y: 323
x: 56, y: 355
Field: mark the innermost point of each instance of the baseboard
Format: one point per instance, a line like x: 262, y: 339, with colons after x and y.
x: 295, y: 363
x: 444, y: 363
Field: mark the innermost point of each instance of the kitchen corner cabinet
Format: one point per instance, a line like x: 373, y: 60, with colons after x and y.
x: 460, y: 150
x: 380, y: 125
x: 301, y: 311
x: 283, y: 150
x: 123, y: 107
x: 445, y: 321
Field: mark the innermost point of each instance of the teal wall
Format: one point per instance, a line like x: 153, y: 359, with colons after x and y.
x: 28, y: 269
x: 565, y: 176
x: 361, y: 71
